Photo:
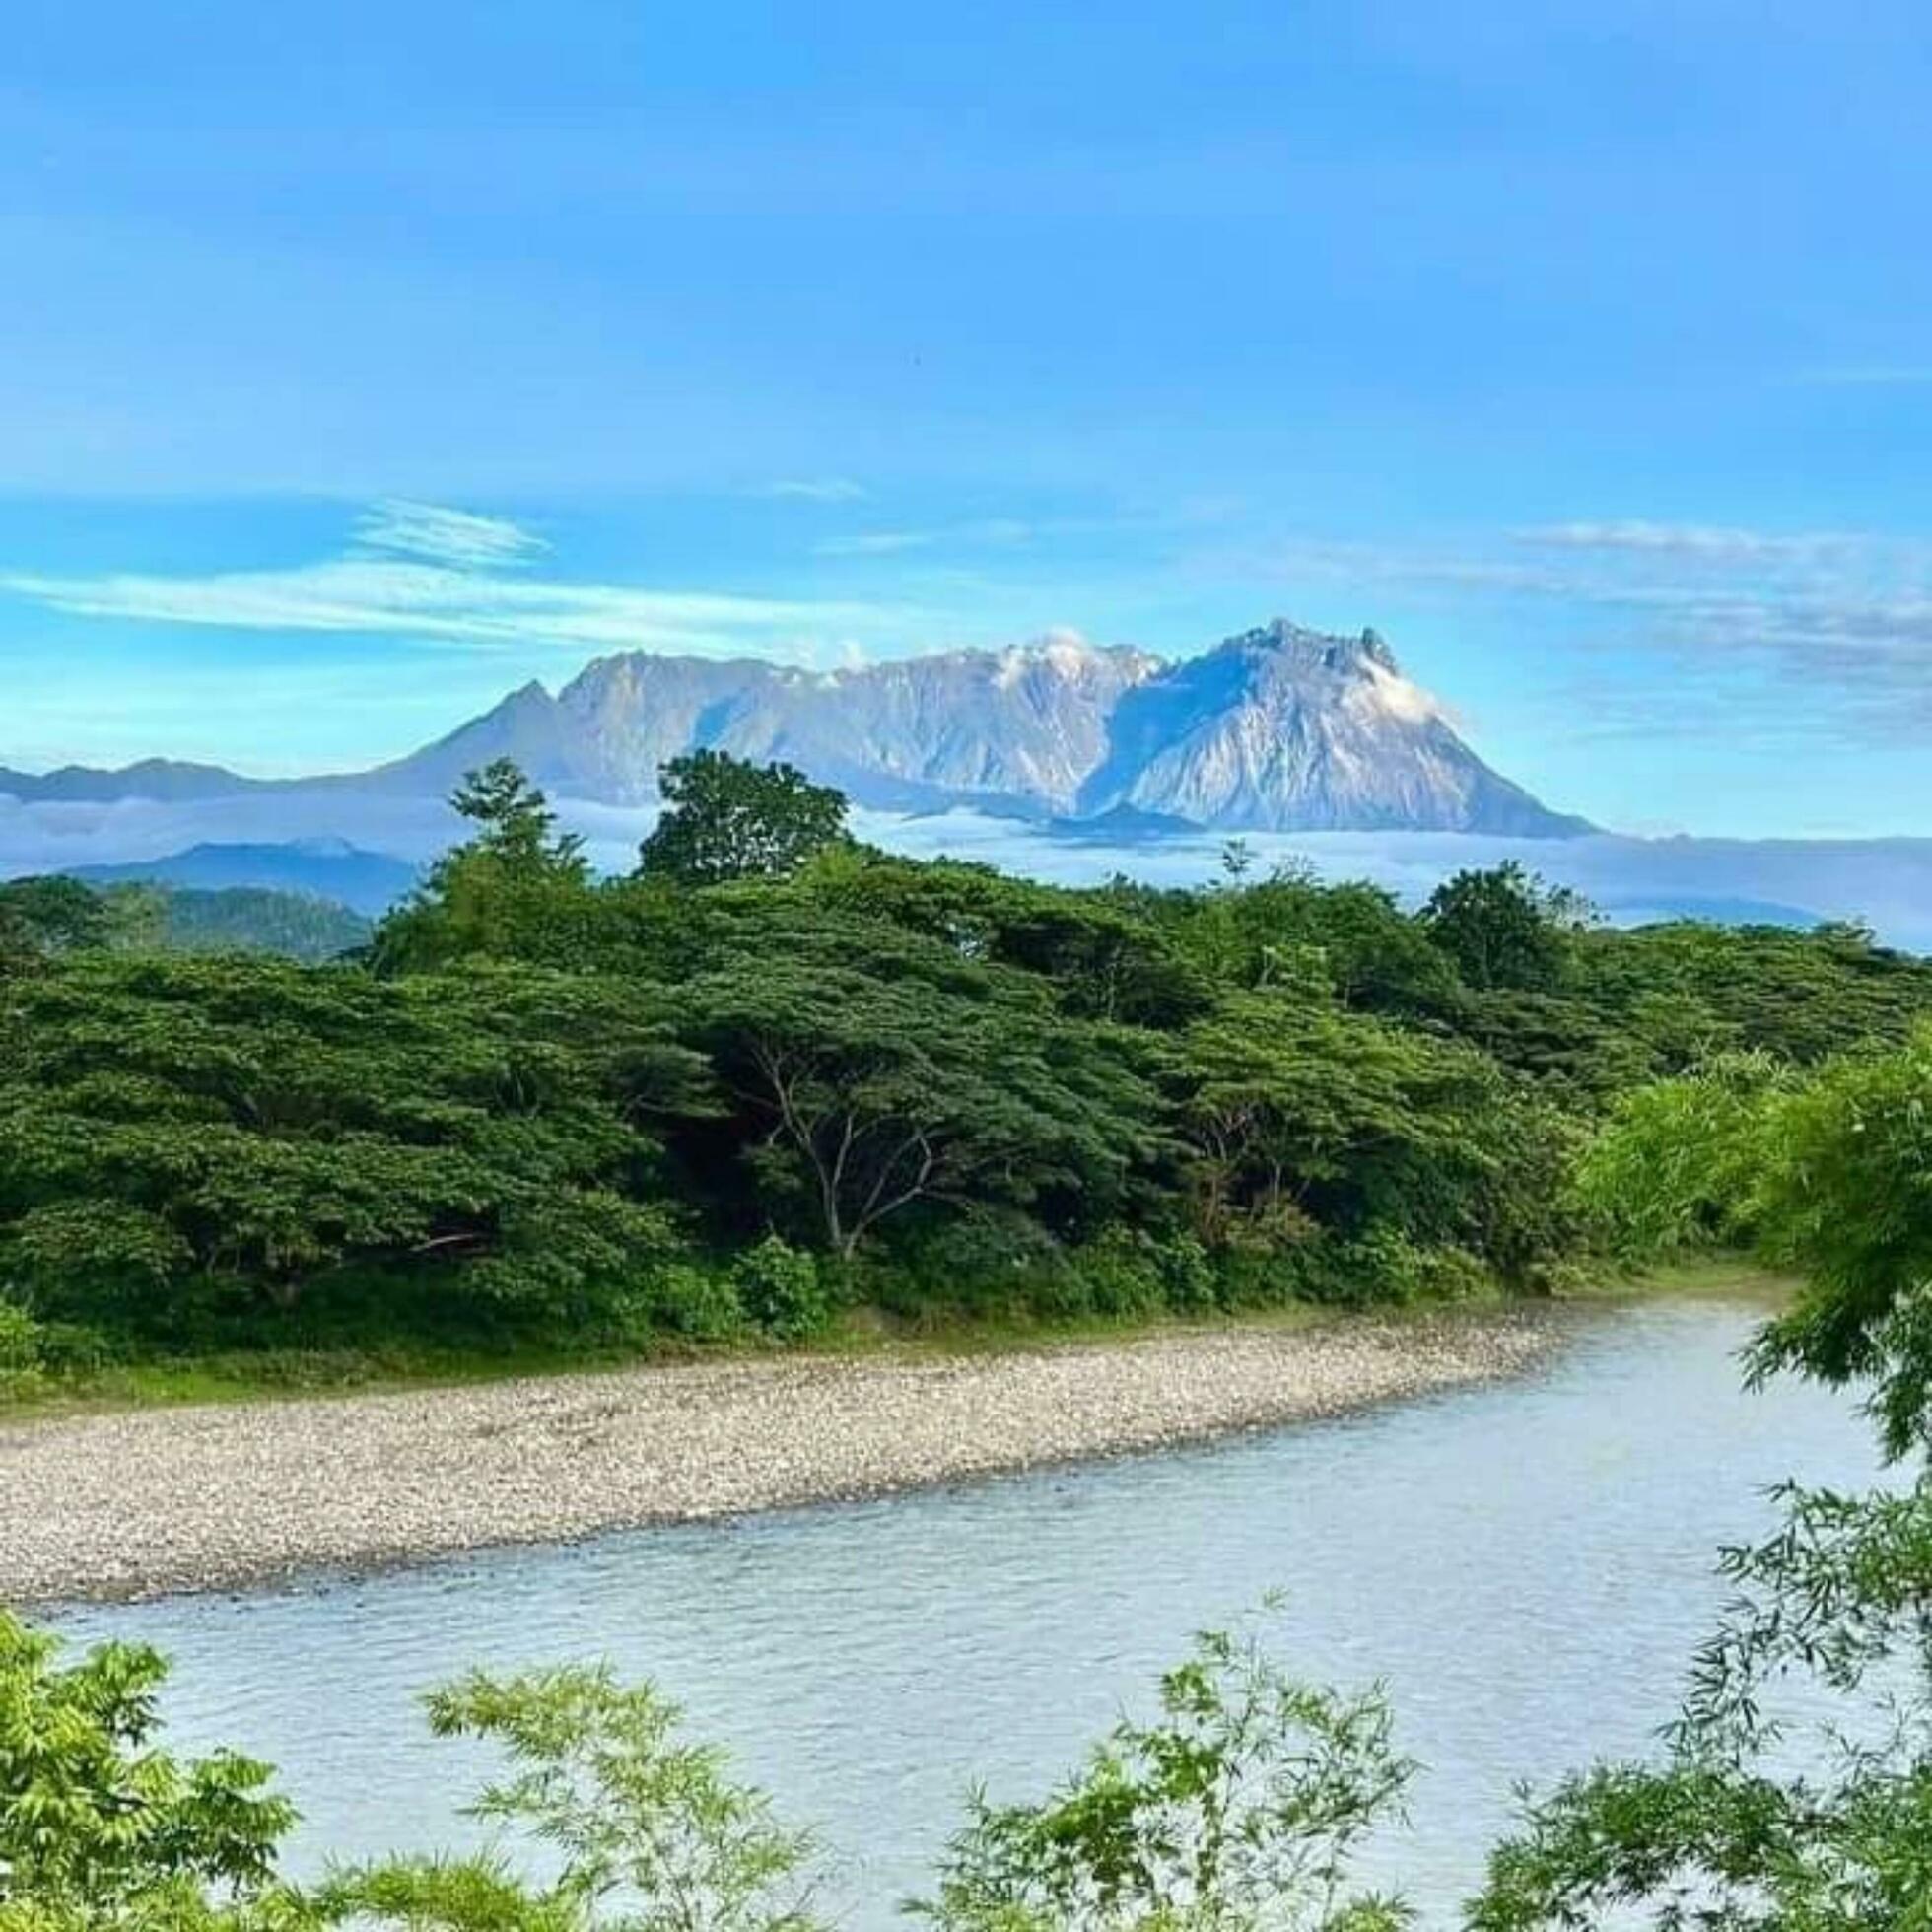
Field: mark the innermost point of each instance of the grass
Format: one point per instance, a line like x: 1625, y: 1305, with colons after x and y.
x: 399, y: 1365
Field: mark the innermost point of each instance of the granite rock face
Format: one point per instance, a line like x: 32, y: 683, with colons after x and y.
x: 1284, y: 729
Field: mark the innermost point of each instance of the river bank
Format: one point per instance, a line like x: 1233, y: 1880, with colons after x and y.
x: 166, y: 1500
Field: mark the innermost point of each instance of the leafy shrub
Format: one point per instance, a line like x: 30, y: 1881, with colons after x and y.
x: 986, y: 1263
x: 1132, y: 1273
x: 780, y: 1289
x: 20, y: 1352
x: 684, y: 1298
x: 1189, y: 1281
x: 1383, y: 1265
x: 1120, y: 1275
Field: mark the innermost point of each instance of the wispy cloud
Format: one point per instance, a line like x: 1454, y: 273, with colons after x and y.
x: 876, y: 544
x: 816, y: 489
x: 995, y: 532
x: 1869, y: 376
x: 442, y: 577
x: 1786, y: 636
x: 446, y: 537
x: 1700, y: 542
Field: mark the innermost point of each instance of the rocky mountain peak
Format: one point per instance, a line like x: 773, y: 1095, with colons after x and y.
x: 1281, y: 728
x: 1283, y: 643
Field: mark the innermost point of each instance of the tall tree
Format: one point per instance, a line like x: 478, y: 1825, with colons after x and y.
x: 726, y: 819
x: 1504, y: 927
x: 890, y: 1082
x: 514, y: 820
x: 517, y: 888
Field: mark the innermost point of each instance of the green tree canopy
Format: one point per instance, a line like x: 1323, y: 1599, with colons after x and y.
x: 517, y: 887
x: 726, y: 819
x: 50, y: 914
x: 1504, y: 927
x: 101, y: 1827
x: 183, y: 1132
x: 1795, y: 1793
x: 890, y: 1075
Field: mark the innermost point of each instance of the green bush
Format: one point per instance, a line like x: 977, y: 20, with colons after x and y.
x: 780, y: 1289
x: 1385, y: 1266
x: 1120, y: 1275
x: 1134, y: 1274
x: 987, y: 1264
x: 20, y: 1362
x: 684, y: 1298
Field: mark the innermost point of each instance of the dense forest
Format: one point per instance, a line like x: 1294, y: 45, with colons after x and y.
x: 773, y: 1075
x: 56, y: 913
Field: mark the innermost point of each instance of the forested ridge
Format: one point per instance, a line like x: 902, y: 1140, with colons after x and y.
x: 775, y: 1074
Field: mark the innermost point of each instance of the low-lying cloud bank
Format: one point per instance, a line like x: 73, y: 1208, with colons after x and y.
x: 1886, y: 881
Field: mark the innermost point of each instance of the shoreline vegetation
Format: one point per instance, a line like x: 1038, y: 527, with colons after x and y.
x: 773, y: 1088
x: 773, y: 1091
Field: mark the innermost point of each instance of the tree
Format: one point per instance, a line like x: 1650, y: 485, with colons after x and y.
x: 514, y: 820
x: 212, y: 1136
x: 872, y: 1072
x: 726, y: 819
x: 1237, y: 1810
x: 49, y: 915
x: 516, y: 889
x: 1298, y: 1117
x: 1503, y: 927
x: 883, y: 1086
x: 645, y: 1832
x: 1796, y: 1791
x: 102, y: 1828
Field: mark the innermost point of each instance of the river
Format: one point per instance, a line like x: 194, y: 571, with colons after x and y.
x: 1527, y: 1565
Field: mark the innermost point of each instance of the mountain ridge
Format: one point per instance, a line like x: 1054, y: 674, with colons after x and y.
x: 1275, y: 728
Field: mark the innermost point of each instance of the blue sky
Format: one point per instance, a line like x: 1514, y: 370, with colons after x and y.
x: 359, y: 363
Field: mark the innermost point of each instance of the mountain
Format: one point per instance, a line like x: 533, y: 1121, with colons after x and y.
x: 1278, y: 729
x: 162, y: 779
x: 1024, y: 725
x: 368, y: 882
x: 1284, y: 729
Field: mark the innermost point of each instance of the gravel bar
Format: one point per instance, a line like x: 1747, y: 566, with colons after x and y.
x: 156, y: 1501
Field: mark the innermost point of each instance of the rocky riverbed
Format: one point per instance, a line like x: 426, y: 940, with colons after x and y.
x: 155, y: 1501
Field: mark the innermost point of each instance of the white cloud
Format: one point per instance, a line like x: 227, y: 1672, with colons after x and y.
x: 997, y: 532
x: 816, y: 489
x: 1870, y: 375
x: 446, y: 537
x: 446, y: 577
x: 878, y: 544
x: 1701, y: 542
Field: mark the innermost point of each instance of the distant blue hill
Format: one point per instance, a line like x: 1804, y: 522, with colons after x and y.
x: 369, y: 882
x: 1721, y: 911
x: 167, y: 781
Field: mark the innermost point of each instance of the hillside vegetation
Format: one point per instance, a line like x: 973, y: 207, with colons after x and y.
x: 775, y: 1075
x: 58, y: 914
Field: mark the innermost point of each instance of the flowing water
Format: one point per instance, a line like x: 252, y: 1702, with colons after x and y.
x: 1528, y: 1566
